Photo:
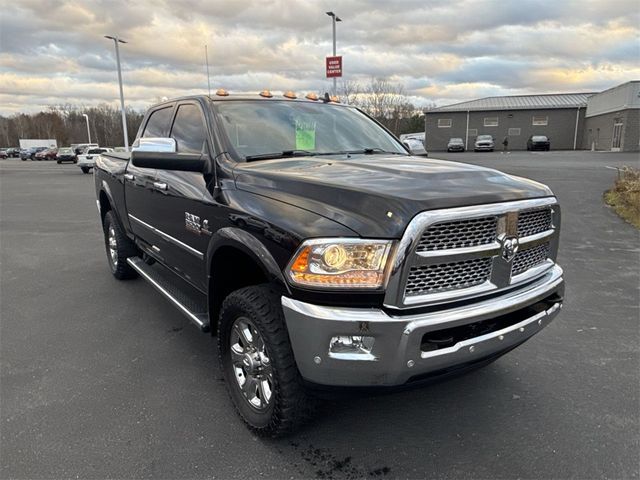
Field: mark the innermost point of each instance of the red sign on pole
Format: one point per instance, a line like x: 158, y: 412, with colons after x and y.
x: 334, y: 67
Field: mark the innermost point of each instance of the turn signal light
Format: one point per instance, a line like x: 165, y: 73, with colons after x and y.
x: 311, y: 96
x: 221, y: 92
x: 266, y: 94
x: 289, y: 94
x: 334, y: 99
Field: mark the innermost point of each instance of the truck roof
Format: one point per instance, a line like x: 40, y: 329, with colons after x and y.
x: 265, y: 95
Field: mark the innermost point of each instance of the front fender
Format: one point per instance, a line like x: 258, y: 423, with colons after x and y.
x: 251, y: 246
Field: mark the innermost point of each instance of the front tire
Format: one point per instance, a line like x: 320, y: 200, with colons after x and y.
x: 257, y: 362
x: 119, y: 248
x: 84, y: 169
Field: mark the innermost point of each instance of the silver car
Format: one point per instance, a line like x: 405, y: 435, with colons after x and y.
x: 484, y: 143
x: 415, y: 146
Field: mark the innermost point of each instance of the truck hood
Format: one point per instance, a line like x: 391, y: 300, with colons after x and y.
x: 377, y: 195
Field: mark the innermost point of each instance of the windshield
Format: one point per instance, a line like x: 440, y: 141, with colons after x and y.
x: 255, y: 128
x: 539, y: 138
x: 485, y: 137
x: 96, y: 150
x: 455, y: 140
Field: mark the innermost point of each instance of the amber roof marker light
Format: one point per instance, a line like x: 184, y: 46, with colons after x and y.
x: 221, y: 92
x: 311, y: 96
x: 266, y: 94
x: 289, y: 94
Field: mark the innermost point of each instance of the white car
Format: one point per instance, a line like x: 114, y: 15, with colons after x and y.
x: 415, y: 146
x: 87, y: 160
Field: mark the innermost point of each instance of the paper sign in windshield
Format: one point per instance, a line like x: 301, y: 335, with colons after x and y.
x: 305, y: 135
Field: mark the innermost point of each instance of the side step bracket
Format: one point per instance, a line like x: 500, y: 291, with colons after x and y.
x: 188, y: 300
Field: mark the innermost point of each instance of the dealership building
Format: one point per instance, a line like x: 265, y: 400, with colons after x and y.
x: 606, y: 120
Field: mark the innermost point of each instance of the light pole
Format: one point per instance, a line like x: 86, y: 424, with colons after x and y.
x: 116, y: 40
x: 86, y: 117
x: 334, y: 19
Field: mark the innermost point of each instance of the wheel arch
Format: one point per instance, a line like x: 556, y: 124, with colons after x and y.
x: 240, y: 260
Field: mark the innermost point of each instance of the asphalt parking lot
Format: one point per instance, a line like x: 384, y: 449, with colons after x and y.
x: 100, y: 378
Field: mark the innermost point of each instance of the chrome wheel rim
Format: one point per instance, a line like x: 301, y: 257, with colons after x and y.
x: 250, y: 364
x: 113, y: 246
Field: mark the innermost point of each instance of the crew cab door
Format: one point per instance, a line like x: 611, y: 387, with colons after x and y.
x: 140, y: 194
x: 178, y: 210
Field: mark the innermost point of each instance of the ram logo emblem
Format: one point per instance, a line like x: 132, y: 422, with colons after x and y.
x: 510, y: 248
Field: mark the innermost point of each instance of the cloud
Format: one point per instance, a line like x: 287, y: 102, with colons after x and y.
x: 53, y: 51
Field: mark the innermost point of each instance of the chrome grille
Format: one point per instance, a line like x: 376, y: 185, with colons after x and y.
x: 447, y: 276
x: 529, y: 258
x: 534, y: 221
x: 459, y: 234
x: 463, y: 252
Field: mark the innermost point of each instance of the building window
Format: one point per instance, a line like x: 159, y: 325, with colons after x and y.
x: 473, y: 132
x: 490, y: 121
x: 513, y: 132
x: 540, y: 120
x: 444, y: 123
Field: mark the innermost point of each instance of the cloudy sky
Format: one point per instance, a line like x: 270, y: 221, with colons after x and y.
x: 53, y: 51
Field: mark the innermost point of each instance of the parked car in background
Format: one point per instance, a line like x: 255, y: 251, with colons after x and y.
x: 79, y: 148
x: 66, y: 154
x: 30, y: 153
x: 87, y: 160
x: 415, y: 146
x: 4, y: 154
x: 484, y: 143
x: 538, y: 142
x: 419, y: 135
x: 455, y: 145
x: 13, y: 152
x: 47, y: 154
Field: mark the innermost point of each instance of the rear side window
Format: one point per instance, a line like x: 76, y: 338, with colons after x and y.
x: 158, y: 123
x: 189, y: 130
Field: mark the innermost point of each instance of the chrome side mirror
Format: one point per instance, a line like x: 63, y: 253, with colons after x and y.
x: 155, y: 144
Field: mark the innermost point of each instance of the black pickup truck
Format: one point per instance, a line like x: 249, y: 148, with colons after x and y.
x: 321, y: 253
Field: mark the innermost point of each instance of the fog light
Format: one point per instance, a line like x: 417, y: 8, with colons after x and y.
x: 351, y: 347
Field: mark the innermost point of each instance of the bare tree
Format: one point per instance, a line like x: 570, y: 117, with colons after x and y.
x: 67, y: 125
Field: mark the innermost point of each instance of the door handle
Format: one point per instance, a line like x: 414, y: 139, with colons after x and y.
x: 160, y: 185
x: 129, y: 176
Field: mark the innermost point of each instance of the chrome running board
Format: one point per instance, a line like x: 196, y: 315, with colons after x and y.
x: 192, y: 304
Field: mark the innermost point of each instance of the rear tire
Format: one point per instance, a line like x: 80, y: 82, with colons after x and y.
x: 257, y: 362
x: 119, y: 248
x: 84, y: 169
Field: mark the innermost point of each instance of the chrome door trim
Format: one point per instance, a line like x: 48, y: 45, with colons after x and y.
x: 168, y: 237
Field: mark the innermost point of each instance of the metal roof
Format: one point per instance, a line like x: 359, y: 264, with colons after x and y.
x: 519, y: 102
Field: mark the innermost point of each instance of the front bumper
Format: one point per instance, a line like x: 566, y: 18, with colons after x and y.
x: 484, y: 147
x: 86, y: 163
x: 398, y: 355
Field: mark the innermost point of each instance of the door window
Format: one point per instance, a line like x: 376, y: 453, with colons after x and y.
x: 158, y: 123
x: 188, y: 129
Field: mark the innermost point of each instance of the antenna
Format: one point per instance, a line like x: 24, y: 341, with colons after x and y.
x: 206, y: 58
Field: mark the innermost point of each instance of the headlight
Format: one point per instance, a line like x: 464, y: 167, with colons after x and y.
x: 340, y: 263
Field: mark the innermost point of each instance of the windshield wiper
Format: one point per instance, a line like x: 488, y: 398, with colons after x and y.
x: 283, y: 154
x: 371, y: 151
